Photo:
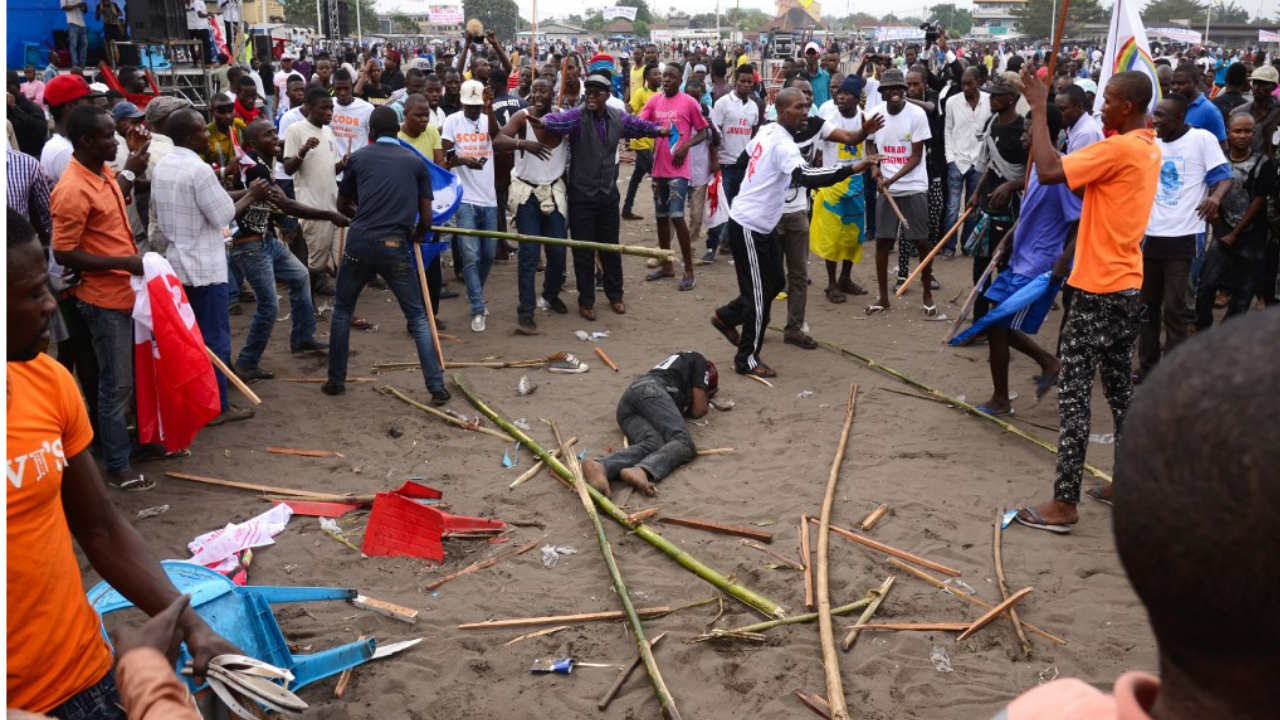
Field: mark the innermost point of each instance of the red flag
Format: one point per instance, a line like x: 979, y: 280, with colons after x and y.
x: 175, y: 387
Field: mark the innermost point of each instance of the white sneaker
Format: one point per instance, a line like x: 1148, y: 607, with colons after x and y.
x: 477, y: 323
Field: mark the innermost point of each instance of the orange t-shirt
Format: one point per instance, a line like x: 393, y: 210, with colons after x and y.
x: 55, y: 649
x: 1119, y: 176
x: 88, y: 214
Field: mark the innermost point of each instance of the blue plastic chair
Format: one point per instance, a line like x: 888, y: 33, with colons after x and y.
x: 242, y: 615
x: 34, y: 54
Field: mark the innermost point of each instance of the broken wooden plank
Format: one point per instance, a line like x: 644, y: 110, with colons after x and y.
x: 994, y: 612
x: 807, y: 554
x: 719, y: 527
x: 321, y: 497
x: 788, y: 562
x: 539, y: 633
x: 382, y: 607
x: 815, y: 703
x: 566, y: 619
x: 344, y: 679
x: 892, y: 551
x: 484, y: 564
x: 874, y: 517
x: 304, y: 453
x: 642, y: 515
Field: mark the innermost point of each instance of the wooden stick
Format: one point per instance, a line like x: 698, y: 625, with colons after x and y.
x: 382, y: 607
x: 784, y: 560
x: 893, y: 551
x: 304, y: 453
x: 994, y: 613
x: 389, y: 390
x: 340, y: 499
x: 642, y: 515
x: 977, y: 287
x: 970, y: 599
x: 759, y: 379
x: 876, y: 597
x: 605, y: 358
x: 576, y: 619
x: 232, y: 377
x: 910, y: 627
x: 665, y: 699
x: 344, y: 679
x: 815, y: 703
x: 562, y: 242
x: 874, y: 517
x: 793, y: 620
x: 929, y: 258
x: 484, y: 564
x: 426, y: 301
x: 307, y: 494
x: 1004, y: 587
x: 714, y: 451
x: 538, y: 633
x: 612, y: 692
x: 830, y: 660
x: 719, y: 528
x: 893, y: 204
x: 537, y: 467
x: 807, y: 556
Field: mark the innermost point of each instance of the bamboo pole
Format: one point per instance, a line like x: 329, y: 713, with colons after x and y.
x: 665, y: 699
x: 831, y: 660
x: 566, y: 619
x: 970, y: 599
x: 966, y: 407
x: 603, y: 703
x: 807, y: 554
x: 232, y: 377
x: 912, y: 627
x: 876, y: 597
x: 537, y: 467
x: 792, y: 620
x: 668, y: 255
x: 388, y: 390
x: 426, y: 301
x: 749, y: 598
x: 1004, y: 587
x: 889, y: 550
x: 484, y: 564
x: 994, y: 613
x: 929, y: 258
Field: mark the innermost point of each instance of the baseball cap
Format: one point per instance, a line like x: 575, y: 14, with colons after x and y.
x: 603, y: 78
x: 892, y: 78
x: 699, y: 68
x: 67, y: 88
x: 1265, y: 73
x: 1086, y: 85
x: 1005, y: 83
x: 472, y: 92
x: 289, y: 55
x: 125, y: 109
x: 812, y: 46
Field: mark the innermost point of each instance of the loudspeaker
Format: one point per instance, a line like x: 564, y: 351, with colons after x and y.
x: 262, y: 47
x: 343, y: 11
x: 157, y: 20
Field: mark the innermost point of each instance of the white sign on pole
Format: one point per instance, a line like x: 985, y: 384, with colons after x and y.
x: 1268, y: 36
x: 445, y: 15
x: 620, y: 11
x: 890, y: 34
x: 1182, y: 35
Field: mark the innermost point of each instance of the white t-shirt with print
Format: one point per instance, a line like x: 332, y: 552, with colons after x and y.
x: 771, y: 158
x: 350, y: 125
x: 894, y: 141
x: 470, y: 138
x: 736, y: 119
x: 1184, y: 163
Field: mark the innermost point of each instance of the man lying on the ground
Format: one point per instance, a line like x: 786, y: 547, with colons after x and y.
x: 651, y: 415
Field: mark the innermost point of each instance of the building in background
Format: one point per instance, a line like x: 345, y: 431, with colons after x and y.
x: 994, y: 19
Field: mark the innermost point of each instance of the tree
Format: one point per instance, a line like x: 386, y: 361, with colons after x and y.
x: 703, y: 21
x: 403, y: 24
x: 1163, y: 11
x: 594, y: 22
x: 642, y: 12
x: 1035, y: 17
x: 958, y: 19
x: 303, y: 13
x: 1230, y: 13
x: 500, y: 16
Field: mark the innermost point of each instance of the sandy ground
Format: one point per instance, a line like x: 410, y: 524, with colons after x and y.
x: 943, y: 474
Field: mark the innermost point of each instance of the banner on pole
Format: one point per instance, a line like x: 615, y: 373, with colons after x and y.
x: 1182, y: 35
x: 445, y: 15
x: 1268, y: 36
x: 620, y: 11
x: 1127, y: 49
x: 890, y: 34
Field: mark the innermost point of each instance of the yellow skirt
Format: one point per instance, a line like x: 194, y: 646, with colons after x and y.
x: 839, y: 214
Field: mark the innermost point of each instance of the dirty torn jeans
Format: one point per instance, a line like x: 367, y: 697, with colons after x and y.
x: 659, y: 438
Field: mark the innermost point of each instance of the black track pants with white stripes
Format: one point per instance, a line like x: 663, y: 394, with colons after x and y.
x: 757, y: 258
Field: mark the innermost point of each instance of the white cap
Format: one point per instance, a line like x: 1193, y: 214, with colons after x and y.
x: 814, y: 47
x: 472, y: 92
x: 289, y: 55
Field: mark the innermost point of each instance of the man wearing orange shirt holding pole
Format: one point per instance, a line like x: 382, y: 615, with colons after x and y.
x: 1118, y: 177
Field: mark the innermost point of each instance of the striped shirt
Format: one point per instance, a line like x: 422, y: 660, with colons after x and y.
x: 26, y: 190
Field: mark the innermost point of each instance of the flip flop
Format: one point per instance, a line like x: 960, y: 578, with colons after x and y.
x: 134, y: 484
x: 1095, y: 493
x: 876, y: 309
x: 688, y: 283
x: 657, y: 275
x: 988, y: 410
x: 1036, y: 522
x: 1044, y: 384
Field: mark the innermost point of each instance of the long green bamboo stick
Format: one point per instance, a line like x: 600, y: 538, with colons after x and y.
x: 792, y: 620
x: 665, y: 700
x: 563, y: 242
x: 756, y: 602
x: 950, y: 400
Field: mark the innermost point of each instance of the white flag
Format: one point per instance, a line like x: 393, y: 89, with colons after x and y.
x: 1127, y: 49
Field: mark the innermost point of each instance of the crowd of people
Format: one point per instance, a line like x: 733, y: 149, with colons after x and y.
x: 312, y: 176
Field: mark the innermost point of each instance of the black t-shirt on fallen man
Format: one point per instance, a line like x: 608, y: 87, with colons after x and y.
x: 385, y: 181
x: 681, y: 373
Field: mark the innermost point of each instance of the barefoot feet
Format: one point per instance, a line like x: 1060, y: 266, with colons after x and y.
x: 637, y: 478
x: 593, y: 473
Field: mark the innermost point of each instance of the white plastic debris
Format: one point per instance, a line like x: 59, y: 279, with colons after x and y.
x: 941, y: 662
x: 525, y: 387
x: 582, y: 335
x: 1103, y: 439
x: 804, y: 394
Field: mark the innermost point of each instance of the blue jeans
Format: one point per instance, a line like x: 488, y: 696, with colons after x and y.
x: 100, y: 701
x: 264, y: 263
x: 112, y: 333
x: 235, y: 279
x: 669, y: 197
x: 78, y: 44
x: 957, y: 183
x: 477, y: 252
x: 390, y: 258
x: 530, y: 220
x: 209, y: 303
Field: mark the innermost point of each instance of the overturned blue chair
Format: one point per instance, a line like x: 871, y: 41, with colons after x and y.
x: 242, y: 615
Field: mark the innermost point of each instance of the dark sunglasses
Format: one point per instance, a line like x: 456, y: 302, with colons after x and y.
x: 224, y: 108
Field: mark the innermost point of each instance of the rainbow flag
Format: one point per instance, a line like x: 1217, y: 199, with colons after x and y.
x: 1127, y: 49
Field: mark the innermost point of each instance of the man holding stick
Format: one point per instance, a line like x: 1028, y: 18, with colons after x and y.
x: 651, y: 415
x: 1119, y: 177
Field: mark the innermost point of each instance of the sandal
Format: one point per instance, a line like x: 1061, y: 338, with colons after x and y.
x: 834, y: 295
x: 1045, y: 383
x: 157, y: 452
x: 1038, y: 522
x: 801, y: 340
x: 1095, y: 493
x: 988, y: 410
x: 851, y: 287
x: 761, y: 371
x: 658, y: 275
x: 876, y: 309
x: 134, y: 484
x: 688, y: 283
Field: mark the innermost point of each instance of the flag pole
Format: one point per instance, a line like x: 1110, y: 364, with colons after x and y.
x: 426, y: 300
x: 231, y: 377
